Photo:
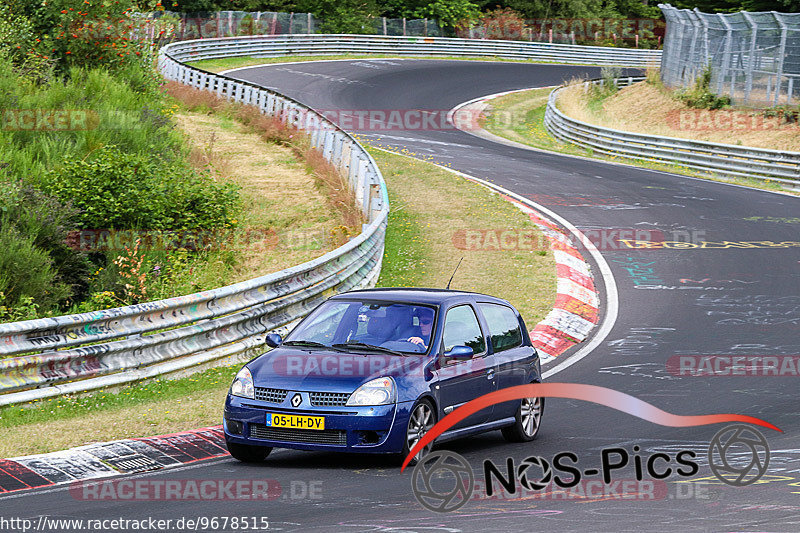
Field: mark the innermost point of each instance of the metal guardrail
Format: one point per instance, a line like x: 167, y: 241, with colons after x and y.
x: 282, y: 45
x: 721, y: 159
x: 52, y: 356
x: 128, y: 343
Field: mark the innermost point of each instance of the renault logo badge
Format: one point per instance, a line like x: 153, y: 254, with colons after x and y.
x: 296, y: 399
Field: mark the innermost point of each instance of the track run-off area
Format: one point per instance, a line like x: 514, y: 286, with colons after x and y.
x: 721, y: 295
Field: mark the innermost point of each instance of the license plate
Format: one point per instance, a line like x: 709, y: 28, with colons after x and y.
x: 276, y: 420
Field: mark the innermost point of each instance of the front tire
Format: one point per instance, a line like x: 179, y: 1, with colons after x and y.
x: 422, y: 419
x: 528, y: 421
x: 247, y: 453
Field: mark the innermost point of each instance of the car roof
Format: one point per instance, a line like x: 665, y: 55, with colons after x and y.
x: 420, y: 295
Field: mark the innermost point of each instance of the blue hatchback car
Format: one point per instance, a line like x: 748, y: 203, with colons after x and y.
x: 371, y: 371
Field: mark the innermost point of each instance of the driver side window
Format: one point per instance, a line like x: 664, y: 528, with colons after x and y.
x: 461, y: 328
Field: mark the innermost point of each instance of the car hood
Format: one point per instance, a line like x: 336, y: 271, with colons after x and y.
x: 328, y: 371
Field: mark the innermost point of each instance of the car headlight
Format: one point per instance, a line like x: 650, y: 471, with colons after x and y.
x: 243, y: 384
x: 376, y: 392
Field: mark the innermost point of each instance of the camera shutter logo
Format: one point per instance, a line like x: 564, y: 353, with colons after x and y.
x: 431, y: 485
x: 738, y: 455
x: 522, y: 473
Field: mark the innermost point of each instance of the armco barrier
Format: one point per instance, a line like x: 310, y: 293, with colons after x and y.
x: 124, y: 344
x: 66, y: 354
x: 721, y: 159
x: 282, y: 45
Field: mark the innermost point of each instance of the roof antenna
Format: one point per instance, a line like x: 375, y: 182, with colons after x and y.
x: 454, y: 273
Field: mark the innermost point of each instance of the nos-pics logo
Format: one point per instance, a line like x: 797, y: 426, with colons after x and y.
x: 444, y: 481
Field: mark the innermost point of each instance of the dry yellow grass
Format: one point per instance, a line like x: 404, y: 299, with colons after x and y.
x: 645, y: 108
x: 285, y: 214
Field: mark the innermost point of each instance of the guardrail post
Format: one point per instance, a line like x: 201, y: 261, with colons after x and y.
x: 328, y: 146
x: 361, y: 180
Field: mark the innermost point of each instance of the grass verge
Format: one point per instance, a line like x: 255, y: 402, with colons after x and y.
x: 430, y: 206
x: 520, y: 117
x: 653, y: 109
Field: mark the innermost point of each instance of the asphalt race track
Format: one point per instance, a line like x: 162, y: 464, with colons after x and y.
x: 733, y: 301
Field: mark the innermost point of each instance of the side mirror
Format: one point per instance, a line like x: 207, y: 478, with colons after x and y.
x: 274, y: 340
x: 460, y: 352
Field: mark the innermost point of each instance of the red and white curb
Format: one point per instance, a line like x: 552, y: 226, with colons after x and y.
x: 576, y: 309
x: 107, y: 459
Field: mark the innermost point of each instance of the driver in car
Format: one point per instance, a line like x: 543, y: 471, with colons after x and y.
x: 424, y: 317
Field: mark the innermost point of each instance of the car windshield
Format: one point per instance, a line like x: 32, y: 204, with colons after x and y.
x: 367, y: 326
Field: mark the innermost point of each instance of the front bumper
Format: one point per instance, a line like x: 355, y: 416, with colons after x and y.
x: 376, y: 429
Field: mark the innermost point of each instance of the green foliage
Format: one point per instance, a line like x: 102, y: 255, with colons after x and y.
x: 599, y: 92
x: 35, y: 228
x: 699, y: 96
x: 17, y: 41
x: 118, y: 190
x: 26, y: 273
x: 450, y: 13
x: 80, y: 33
x: 342, y: 16
x: 25, y: 309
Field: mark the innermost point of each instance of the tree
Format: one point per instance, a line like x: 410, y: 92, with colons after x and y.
x: 342, y: 16
x: 450, y: 13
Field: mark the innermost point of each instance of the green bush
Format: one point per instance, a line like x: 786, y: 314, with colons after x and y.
x: 35, y: 228
x: 117, y: 190
x: 26, y: 272
x: 699, y: 96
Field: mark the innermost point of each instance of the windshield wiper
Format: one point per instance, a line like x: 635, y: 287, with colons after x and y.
x: 363, y: 345
x: 312, y: 344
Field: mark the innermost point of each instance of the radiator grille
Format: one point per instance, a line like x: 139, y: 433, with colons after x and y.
x: 270, y: 395
x: 329, y: 399
x: 336, y: 437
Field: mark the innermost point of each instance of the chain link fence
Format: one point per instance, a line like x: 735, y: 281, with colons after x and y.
x: 754, y: 57
x: 166, y: 26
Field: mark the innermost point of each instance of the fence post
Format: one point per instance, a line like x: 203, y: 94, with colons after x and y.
x: 384, y: 25
x: 404, y: 26
x: 308, y: 23
x: 291, y: 20
x: 781, y: 56
x: 726, y: 55
x: 752, y: 55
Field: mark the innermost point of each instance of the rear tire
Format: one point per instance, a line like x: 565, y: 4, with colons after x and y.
x: 528, y: 421
x: 247, y: 453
